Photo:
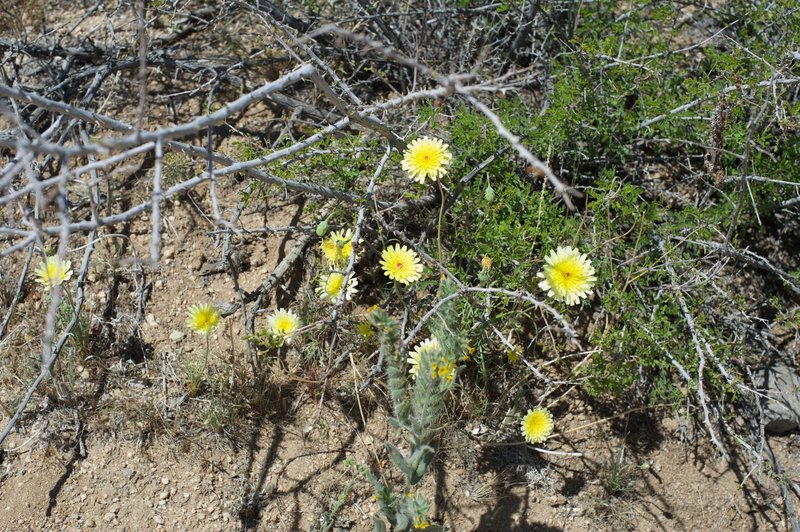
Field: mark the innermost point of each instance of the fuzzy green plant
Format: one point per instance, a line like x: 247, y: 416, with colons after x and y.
x: 417, y: 405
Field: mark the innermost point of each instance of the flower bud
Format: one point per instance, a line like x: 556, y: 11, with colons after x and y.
x: 489, y: 194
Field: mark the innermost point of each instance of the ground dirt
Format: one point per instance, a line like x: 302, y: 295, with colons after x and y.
x: 116, y: 442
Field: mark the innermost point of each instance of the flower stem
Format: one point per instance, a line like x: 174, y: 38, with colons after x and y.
x: 439, y: 224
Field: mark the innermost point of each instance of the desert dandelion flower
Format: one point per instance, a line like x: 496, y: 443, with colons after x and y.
x: 401, y: 264
x: 53, y: 272
x: 426, y: 158
x: 537, y: 425
x: 331, y: 285
x: 338, y: 247
x: 568, y: 275
x: 202, y: 318
x: 429, y: 347
x: 283, y: 323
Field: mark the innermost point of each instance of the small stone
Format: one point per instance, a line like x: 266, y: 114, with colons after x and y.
x: 109, y: 516
x: 90, y: 523
x: 164, y: 495
x: 226, y: 516
x: 128, y: 472
x: 186, y: 494
x: 168, y: 253
x: 165, y: 480
x: 201, y: 515
x: 157, y: 519
x: 176, y: 336
x: 150, y: 320
x: 556, y: 500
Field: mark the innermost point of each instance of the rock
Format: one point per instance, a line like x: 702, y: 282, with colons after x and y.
x: 157, y: 519
x: 557, y: 500
x: 176, y: 336
x: 109, y: 516
x: 128, y: 472
x: 781, y: 384
x: 165, y: 480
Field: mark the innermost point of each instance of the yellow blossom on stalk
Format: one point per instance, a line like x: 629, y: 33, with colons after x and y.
x: 401, y: 264
x: 421, y: 523
x: 338, y: 247
x: 283, y: 323
x: 202, y: 318
x: 425, y: 158
x: 444, y: 369
x: 53, y: 272
x: 486, y: 263
x: 568, y: 275
x: 330, y: 286
x: 429, y: 347
x: 537, y: 425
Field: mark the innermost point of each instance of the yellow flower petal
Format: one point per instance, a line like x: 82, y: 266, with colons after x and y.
x: 330, y: 286
x: 429, y: 347
x: 202, y: 318
x: 568, y: 275
x: 426, y: 158
x: 338, y: 247
x: 53, y: 272
x: 401, y: 264
x: 537, y: 425
x: 283, y: 323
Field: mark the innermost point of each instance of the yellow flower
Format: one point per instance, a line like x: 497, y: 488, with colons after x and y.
x: 426, y: 158
x: 429, y: 347
x: 53, y: 272
x: 338, y: 247
x: 444, y: 369
x: 401, y: 264
x: 202, y: 318
x: 330, y: 286
x: 568, y: 275
x: 421, y: 523
x: 537, y: 425
x: 283, y: 323
x: 486, y: 263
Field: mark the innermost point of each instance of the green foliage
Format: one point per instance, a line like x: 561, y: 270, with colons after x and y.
x: 416, y: 410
